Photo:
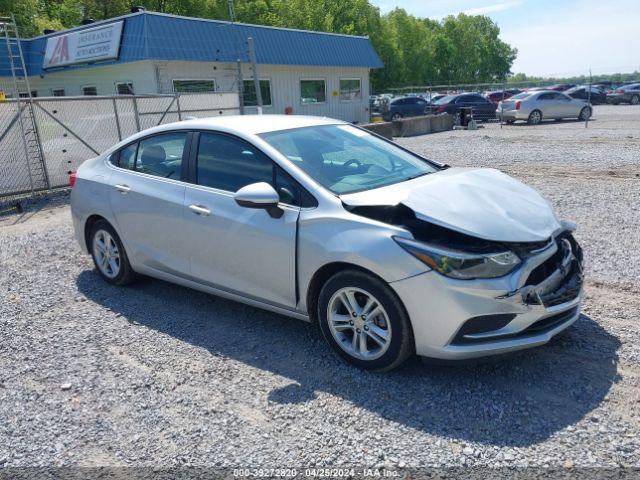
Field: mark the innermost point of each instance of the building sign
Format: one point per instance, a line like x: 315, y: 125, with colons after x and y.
x: 83, y: 46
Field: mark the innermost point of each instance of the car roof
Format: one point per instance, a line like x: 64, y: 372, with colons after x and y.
x: 251, y: 124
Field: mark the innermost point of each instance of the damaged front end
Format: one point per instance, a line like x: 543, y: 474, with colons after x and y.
x: 499, y: 290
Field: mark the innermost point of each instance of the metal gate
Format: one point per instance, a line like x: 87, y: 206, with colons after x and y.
x: 70, y: 130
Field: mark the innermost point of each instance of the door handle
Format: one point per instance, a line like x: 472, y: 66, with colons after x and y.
x: 200, y: 210
x: 123, y: 188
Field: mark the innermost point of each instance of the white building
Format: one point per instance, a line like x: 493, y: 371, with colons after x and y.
x: 301, y: 72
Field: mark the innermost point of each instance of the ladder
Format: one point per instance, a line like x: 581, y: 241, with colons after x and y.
x: 36, y: 168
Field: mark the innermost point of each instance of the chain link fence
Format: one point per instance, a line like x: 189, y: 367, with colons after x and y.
x: 70, y: 130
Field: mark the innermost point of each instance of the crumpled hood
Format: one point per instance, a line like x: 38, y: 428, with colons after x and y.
x: 483, y: 203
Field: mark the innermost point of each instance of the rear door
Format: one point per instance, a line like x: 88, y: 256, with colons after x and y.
x: 147, y: 196
x: 238, y: 249
x: 548, y: 104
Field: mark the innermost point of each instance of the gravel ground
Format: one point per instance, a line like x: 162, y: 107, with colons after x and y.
x: 156, y: 374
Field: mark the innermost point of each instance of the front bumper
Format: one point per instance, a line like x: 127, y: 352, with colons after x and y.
x: 460, y: 319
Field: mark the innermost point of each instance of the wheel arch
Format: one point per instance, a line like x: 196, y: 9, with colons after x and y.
x: 88, y: 225
x: 322, y: 275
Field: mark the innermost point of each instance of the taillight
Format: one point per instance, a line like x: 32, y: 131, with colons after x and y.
x: 441, y: 109
x: 72, y: 179
x: 619, y: 91
x: 518, y: 105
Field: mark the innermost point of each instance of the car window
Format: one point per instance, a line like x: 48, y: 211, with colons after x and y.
x: 546, y: 96
x: 291, y: 192
x: 126, y: 157
x: 228, y: 163
x: 161, y: 155
x: 444, y: 100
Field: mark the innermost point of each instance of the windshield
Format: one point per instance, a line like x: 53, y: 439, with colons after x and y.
x: 346, y: 159
x: 444, y: 100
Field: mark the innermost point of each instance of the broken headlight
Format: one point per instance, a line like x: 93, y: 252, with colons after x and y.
x: 461, y: 265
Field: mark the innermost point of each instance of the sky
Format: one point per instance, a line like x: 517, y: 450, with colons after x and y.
x: 553, y: 37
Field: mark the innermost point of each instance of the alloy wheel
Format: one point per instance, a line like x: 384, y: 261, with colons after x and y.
x: 359, y: 323
x: 106, y: 253
x: 535, y: 117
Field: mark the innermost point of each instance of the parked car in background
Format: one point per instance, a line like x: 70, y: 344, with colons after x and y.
x: 404, y: 107
x: 533, y: 107
x: 437, y: 96
x: 499, y: 95
x: 389, y: 253
x: 625, y: 94
x: 595, y: 94
x: 482, y: 108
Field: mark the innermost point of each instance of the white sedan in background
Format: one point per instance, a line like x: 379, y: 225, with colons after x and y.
x: 535, y: 106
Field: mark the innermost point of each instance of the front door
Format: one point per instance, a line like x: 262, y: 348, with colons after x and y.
x: 238, y: 249
x: 147, y: 197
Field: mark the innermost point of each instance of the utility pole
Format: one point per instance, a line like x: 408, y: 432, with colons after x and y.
x: 586, y: 123
x: 254, y: 68
x: 232, y: 13
x: 240, y: 80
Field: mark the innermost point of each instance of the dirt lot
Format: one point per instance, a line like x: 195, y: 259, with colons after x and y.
x: 156, y: 374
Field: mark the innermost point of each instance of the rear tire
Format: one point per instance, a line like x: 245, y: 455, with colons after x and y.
x: 355, y: 305
x: 109, y: 255
x: 535, y: 117
x: 396, y: 116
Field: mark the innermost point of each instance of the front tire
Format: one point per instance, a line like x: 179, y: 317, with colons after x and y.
x: 396, y: 116
x: 109, y: 255
x: 635, y: 100
x: 364, y: 321
x: 535, y: 117
x: 585, y: 114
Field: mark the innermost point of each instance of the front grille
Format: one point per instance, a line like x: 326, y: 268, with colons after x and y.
x: 551, y: 264
x: 568, y: 290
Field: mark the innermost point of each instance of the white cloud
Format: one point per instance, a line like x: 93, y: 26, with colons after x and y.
x: 497, y: 7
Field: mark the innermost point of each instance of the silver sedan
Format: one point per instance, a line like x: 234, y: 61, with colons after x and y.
x: 535, y: 106
x: 390, y: 253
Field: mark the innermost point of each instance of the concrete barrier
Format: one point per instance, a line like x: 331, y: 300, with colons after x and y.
x: 409, y: 127
x: 384, y: 129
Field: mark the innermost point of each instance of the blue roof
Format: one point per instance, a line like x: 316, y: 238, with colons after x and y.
x: 158, y: 36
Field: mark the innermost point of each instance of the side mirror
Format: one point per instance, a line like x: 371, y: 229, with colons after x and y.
x: 259, y: 195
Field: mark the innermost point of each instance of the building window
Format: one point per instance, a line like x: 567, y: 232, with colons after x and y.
x: 249, y: 93
x: 90, y: 91
x: 34, y: 93
x: 57, y: 92
x: 350, y: 90
x: 124, y: 88
x: 312, y: 91
x: 194, y: 86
